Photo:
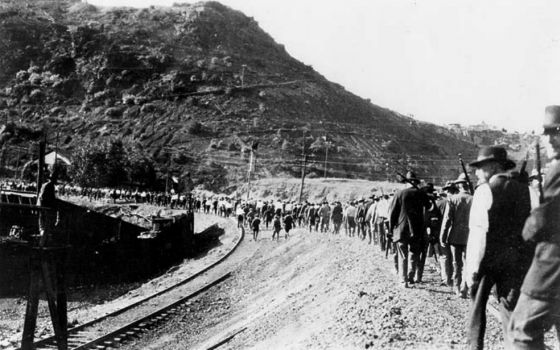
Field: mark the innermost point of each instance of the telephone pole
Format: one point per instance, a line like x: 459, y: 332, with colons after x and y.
x: 252, y: 166
x: 303, y: 168
x: 326, y: 155
x: 302, y: 176
x: 249, y: 175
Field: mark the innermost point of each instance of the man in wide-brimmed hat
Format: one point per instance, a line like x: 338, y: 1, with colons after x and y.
x: 455, y: 232
x: 539, y: 303
x: 406, y: 221
x: 449, y: 188
x: 496, y: 254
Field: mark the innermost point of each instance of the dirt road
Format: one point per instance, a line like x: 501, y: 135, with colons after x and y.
x: 319, y: 291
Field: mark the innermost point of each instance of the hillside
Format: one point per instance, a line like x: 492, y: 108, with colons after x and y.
x: 195, y: 86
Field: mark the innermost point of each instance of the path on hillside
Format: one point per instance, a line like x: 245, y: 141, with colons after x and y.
x: 319, y: 291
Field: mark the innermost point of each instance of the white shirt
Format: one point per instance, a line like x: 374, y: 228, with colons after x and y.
x: 383, y: 208
x: 478, y: 228
x: 351, y: 211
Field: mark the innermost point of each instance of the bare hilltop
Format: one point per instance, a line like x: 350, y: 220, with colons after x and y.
x: 196, y: 87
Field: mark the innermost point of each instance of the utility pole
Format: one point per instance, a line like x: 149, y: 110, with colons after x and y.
x: 168, y: 166
x: 41, y: 164
x: 252, y: 166
x: 249, y: 176
x: 243, y: 66
x: 56, y: 151
x: 326, y: 155
x: 303, y: 167
x: 302, y: 176
x: 387, y: 171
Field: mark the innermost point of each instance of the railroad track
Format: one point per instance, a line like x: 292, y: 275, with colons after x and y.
x: 89, y: 336
x: 101, y: 333
x: 93, y: 335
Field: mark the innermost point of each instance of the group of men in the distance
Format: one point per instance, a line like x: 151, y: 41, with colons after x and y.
x: 356, y: 217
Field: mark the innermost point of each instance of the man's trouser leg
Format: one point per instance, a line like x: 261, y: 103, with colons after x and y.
x: 445, y: 264
x: 477, y: 312
x: 417, y: 260
x: 458, y: 256
x: 402, y: 256
x: 395, y: 254
x: 530, y: 320
x: 381, y: 236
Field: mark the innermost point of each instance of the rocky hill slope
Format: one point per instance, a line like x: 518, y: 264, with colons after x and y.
x: 196, y: 86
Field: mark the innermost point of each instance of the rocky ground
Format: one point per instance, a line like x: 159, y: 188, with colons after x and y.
x: 89, y: 302
x: 319, y: 291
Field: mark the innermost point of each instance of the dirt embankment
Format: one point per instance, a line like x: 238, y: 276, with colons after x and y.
x: 317, y: 190
x: 318, y: 291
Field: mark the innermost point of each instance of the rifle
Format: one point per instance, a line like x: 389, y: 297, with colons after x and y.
x: 523, y: 175
x: 408, y: 181
x: 389, y: 240
x: 471, y: 188
x: 539, y: 177
x: 524, y: 164
x: 387, y: 244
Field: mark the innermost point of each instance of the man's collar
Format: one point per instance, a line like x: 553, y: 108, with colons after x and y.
x: 502, y: 174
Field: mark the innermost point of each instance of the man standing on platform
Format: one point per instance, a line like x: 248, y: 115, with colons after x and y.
x: 49, y: 218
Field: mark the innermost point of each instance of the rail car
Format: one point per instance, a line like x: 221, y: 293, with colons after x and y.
x: 103, y: 249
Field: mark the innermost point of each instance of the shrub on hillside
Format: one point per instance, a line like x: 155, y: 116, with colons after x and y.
x: 114, y: 112
x: 111, y: 164
x: 212, y: 177
x: 195, y: 128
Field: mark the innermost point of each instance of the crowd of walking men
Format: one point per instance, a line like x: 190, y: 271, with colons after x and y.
x: 505, y: 234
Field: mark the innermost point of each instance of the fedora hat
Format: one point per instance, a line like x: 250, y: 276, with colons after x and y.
x: 493, y: 154
x: 428, y: 189
x: 461, y: 179
x: 551, y: 124
x: 449, y: 185
x: 410, y: 177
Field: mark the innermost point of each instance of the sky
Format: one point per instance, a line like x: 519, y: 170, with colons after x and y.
x: 442, y: 61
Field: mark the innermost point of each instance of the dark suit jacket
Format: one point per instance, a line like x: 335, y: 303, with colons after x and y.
x: 543, y: 227
x: 406, y: 215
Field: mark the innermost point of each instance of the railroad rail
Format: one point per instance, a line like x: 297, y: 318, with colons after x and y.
x: 88, y: 336
x: 85, y: 336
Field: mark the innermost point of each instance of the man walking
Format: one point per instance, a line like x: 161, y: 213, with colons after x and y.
x: 406, y: 221
x: 496, y: 253
x: 538, y: 307
x: 336, y: 217
x: 455, y: 232
x: 325, y: 214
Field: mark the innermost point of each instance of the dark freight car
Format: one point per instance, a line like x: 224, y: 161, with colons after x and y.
x: 103, y: 249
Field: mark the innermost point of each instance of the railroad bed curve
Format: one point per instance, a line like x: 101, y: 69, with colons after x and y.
x: 178, y: 281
